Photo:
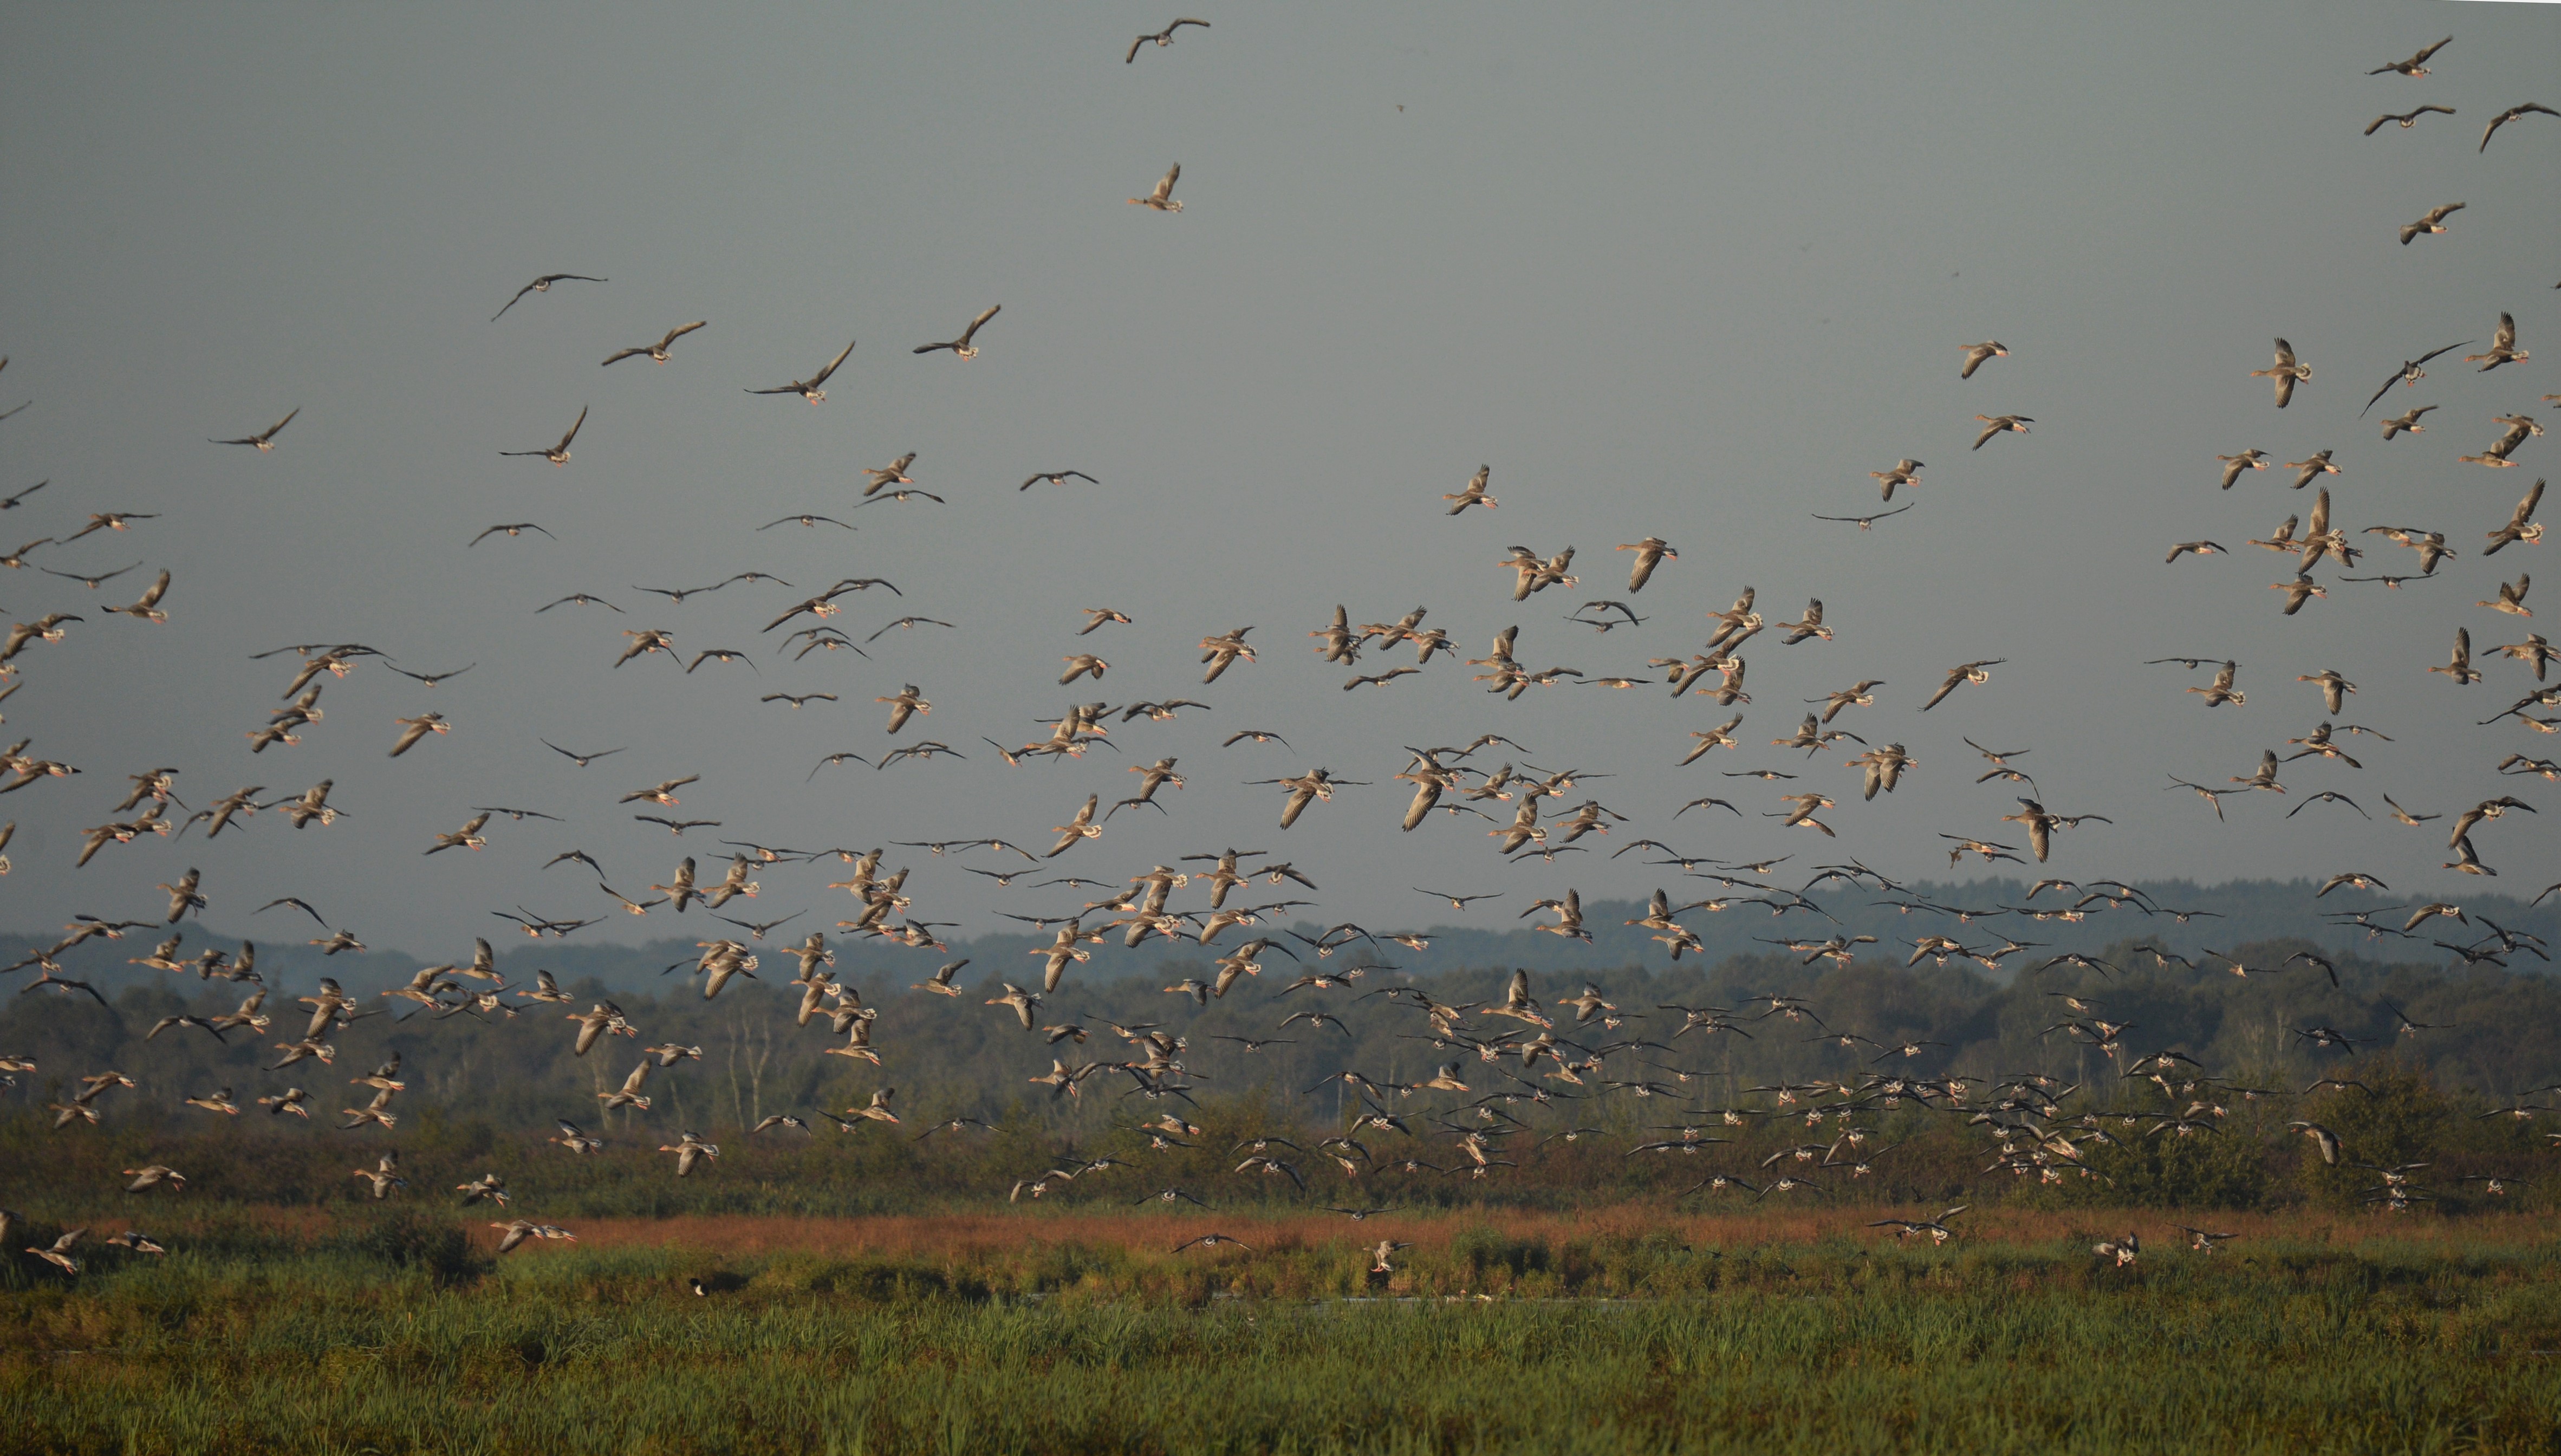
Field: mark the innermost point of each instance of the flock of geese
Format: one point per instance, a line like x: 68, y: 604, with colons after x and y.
x: 1516, y: 1067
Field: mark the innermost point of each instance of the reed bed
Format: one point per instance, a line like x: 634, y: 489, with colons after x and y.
x: 1623, y: 1329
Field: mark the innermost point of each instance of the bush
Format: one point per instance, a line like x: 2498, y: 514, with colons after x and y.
x: 2226, y: 1167
x: 2399, y: 1117
x: 440, y: 1250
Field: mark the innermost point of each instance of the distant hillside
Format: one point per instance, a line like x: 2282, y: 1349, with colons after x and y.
x: 2220, y: 918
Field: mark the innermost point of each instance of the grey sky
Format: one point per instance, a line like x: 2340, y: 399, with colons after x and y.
x: 1668, y: 270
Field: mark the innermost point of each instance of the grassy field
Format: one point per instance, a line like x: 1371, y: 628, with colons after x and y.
x: 1064, y: 1330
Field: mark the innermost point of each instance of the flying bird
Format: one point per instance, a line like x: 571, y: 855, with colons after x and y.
x: 2509, y: 115
x: 1163, y: 37
x: 962, y: 347
x: 2434, y: 222
x: 2416, y: 65
x: 1162, y: 199
x: 1056, y: 477
x: 264, y: 439
x: 810, y: 388
x: 656, y: 353
x: 543, y: 284
x: 558, y: 454
x: 2407, y: 119
x: 2282, y: 374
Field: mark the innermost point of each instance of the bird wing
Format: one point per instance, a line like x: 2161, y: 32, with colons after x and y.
x: 831, y: 364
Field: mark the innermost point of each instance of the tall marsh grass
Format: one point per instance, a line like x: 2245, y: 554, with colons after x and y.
x: 1615, y: 1332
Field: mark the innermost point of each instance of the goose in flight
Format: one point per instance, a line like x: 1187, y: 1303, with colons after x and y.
x: 885, y: 476
x: 2222, y: 691
x: 2509, y: 115
x: 1303, y: 790
x: 2283, y: 373
x: 663, y: 794
x: 1651, y: 552
x: 904, y: 704
x: 2407, y: 421
x: 1163, y: 37
x: 264, y: 439
x: 92, y: 583
x: 2533, y: 651
x: 2520, y: 524
x: 102, y: 521
x: 155, y: 1176
x: 1082, y: 827
x: 2252, y: 459
x: 415, y: 729
x: 1055, y: 477
x: 59, y: 1253
x: 2511, y: 597
x: 1221, y: 653
x: 2430, y: 545
x: 962, y: 347
x: 558, y: 454
x: 2434, y: 222
x: 511, y: 530
x: 1975, y: 353
x: 518, y: 1231
x: 1904, y: 472
x: 2407, y: 119
x: 543, y: 284
x: 580, y: 759
x: 147, y: 609
x: 690, y: 1151
x: 2309, y: 470
x: 2298, y: 592
x: 2409, y: 373
x: 1864, y: 522
x: 1996, y: 423
x: 656, y: 353
x: 810, y: 388
x: 2503, y: 348
x: 1976, y: 673
x: 2416, y: 65
x: 1162, y: 199
x: 2459, y: 663
x: 1474, y: 494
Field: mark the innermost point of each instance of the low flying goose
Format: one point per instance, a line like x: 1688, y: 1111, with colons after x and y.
x: 962, y: 347
x: 2283, y: 373
x: 264, y: 439
x: 558, y: 454
x: 543, y: 284
x: 811, y: 388
x: 1162, y: 199
x: 656, y: 353
x: 1163, y: 37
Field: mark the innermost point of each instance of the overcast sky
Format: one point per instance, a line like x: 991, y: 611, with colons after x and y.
x: 1684, y: 271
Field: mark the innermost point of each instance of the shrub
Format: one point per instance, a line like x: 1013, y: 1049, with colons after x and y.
x: 440, y: 1250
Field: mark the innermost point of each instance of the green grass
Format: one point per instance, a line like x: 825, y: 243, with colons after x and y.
x: 336, y: 1344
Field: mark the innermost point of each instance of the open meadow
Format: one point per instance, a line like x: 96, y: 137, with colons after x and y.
x: 1623, y: 1328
